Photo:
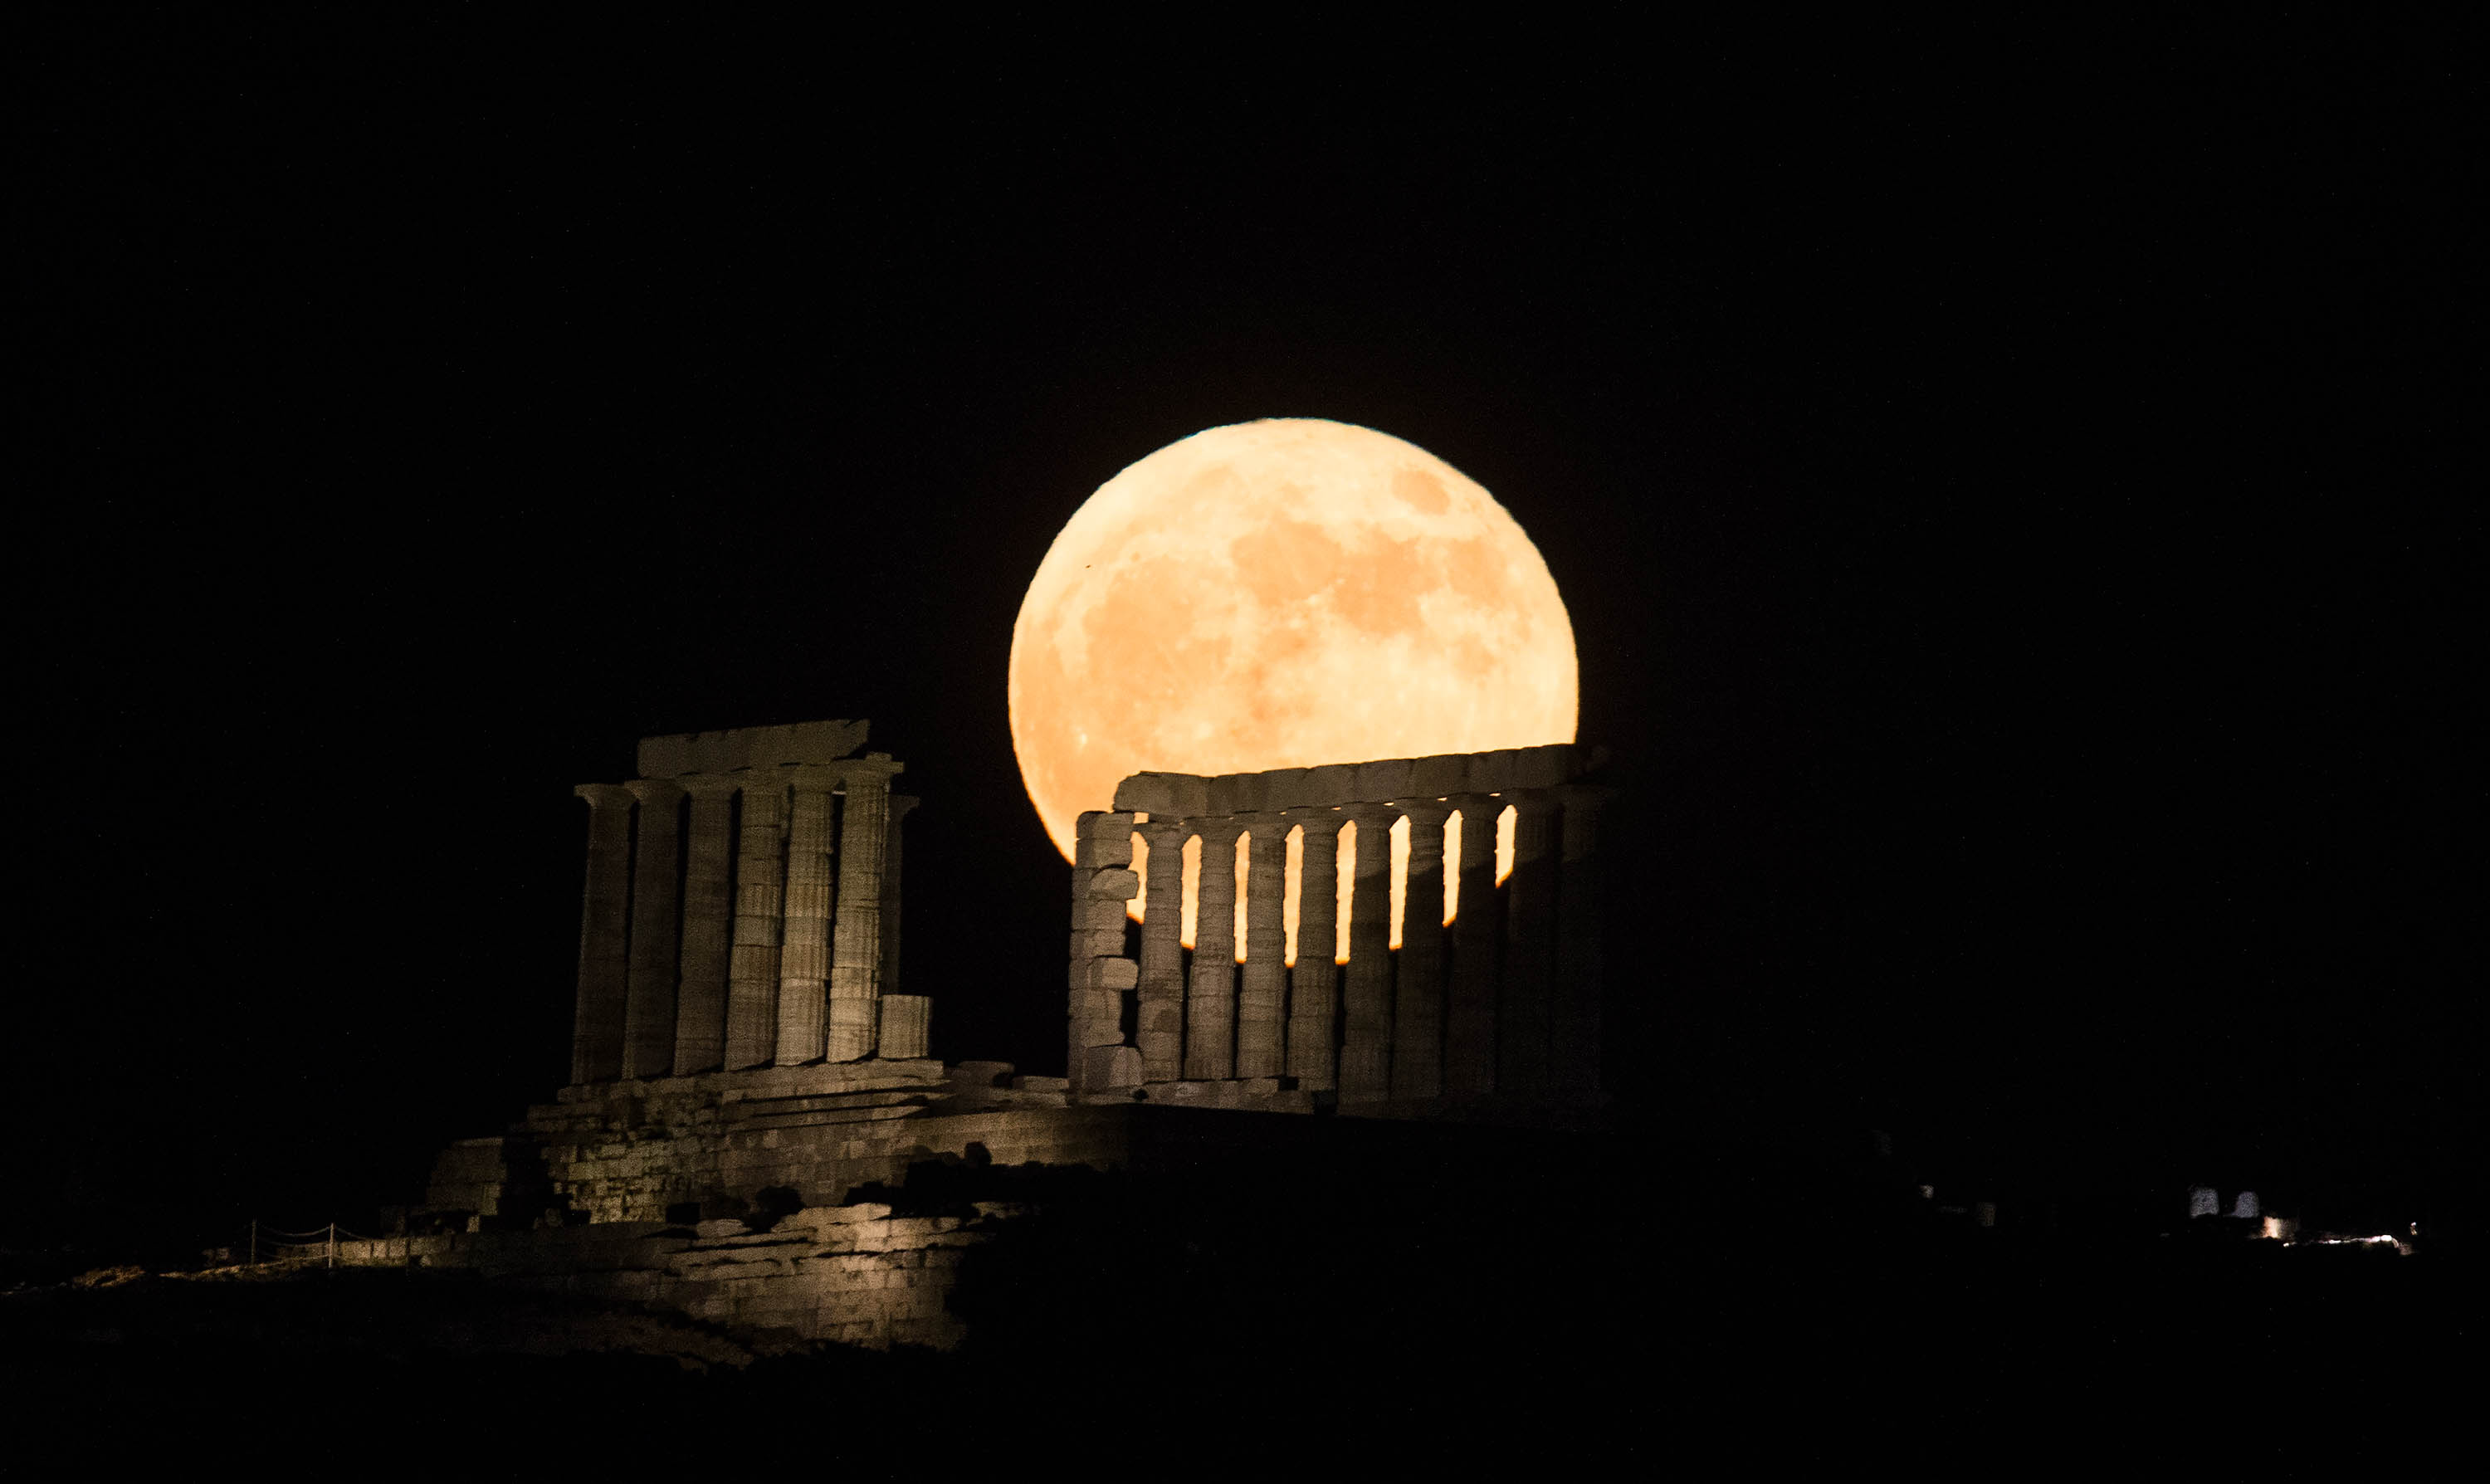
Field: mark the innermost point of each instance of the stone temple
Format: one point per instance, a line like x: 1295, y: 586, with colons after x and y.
x: 748, y: 1086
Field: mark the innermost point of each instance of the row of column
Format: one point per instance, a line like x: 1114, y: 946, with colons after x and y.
x: 1507, y: 1001
x: 773, y: 943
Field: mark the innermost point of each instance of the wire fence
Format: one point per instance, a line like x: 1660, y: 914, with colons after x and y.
x: 268, y: 1244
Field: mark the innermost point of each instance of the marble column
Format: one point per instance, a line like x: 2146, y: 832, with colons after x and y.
x: 1161, y: 1024
x: 1469, y: 1011
x: 759, y: 898
x: 906, y: 1026
x: 804, y: 959
x: 1314, y: 984
x: 1574, y: 1025
x: 1210, y: 1008
x: 1366, y: 989
x: 708, y: 925
x: 1418, y: 1000
x: 855, y: 952
x: 605, y: 926
x: 1529, y: 949
x: 901, y: 805
x: 649, y: 1011
x: 1263, y: 984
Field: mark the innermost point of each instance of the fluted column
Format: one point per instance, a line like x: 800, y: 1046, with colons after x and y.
x: 901, y: 805
x: 1529, y: 948
x: 1418, y: 1000
x: 1263, y: 984
x: 1314, y: 994
x: 760, y: 899
x: 604, y: 954
x: 804, y: 961
x: 1366, y: 1041
x: 1574, y: 1025
x: 856, y: 956
x: 708, y: 925
x: 1469, y: 1011
x: 1210, y: 1008
x: 1161, y: 1018
x: 649, y: 1011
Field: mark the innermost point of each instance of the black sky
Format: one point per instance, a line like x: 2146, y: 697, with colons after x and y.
x: 2001, y: 486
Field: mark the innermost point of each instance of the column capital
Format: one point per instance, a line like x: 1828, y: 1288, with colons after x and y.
x: 709, y: 785
x: 874, y: 769
x: 654, y: 791
x: 1426, y: 811
x: 604, y: 796
x: 900, y: 807
x: 1164, y: 827
x: 1219, y: 829
x: 1365, y: 814
x: 813, y: 777
x: 1533, y: 801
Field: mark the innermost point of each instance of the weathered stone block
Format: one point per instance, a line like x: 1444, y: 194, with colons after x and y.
x: 1098, y: 943
x: 1490, y: 773
x: 1543, y: 766
x: 1122, y: 884
x: 1101, y: 854
x: 1332, y: 783
x: 1114, y: 1066
x: 1236, y: 793
x: 1434, y: 777
x: 1147, y: 793
x: 1100, y: 913
x: 1382, y: 779
x: 1094, y: 1004
x: 1108, y: 974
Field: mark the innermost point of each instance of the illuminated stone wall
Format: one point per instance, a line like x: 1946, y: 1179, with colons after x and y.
x: 1504, y: 1001
x: 741, y: 908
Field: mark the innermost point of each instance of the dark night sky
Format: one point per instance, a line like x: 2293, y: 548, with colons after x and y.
x: 2000, y: 491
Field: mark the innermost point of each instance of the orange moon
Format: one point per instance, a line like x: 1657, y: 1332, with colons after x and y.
x: 1280, y: 593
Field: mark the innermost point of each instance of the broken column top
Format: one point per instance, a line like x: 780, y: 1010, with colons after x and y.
x: 1385, y: 780
x: 799, y: 742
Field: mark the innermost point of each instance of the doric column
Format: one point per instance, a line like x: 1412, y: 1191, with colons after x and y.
x: 759, y: 898
x: 901, y: 805
x: 1262, y: 991
x: 1574, y: 1024
x: 1161, y: 1027
x: 604, y: 953
x: 804, y: 961
x: 906, y: 1026
x: 1210, y: 1008
x: 708, y: 925
x: 1469, y: 1011
x: 1529, y: 948
x: 1366, y: 990
x: 649, y: 1013
x: 855, y: 958
x: 1418, y: 1001
x: 1313, y: 996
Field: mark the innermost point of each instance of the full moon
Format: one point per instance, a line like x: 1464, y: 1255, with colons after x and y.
x: 1280, y: 593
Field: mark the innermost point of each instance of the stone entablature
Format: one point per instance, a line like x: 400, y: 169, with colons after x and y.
x: 1503, y: 1005
x: 741, y: 908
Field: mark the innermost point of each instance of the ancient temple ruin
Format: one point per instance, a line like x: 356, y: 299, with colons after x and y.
x: 1502, y: 1000
x: 744, y: 1073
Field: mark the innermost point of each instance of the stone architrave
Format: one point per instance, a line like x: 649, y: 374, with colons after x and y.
x: 901, y: 806
x: 760, y: 900
x: 1523, y: 1008
x: 1366, y: 990
x: 855, y: 954
x: 604, y: 953
x: 708, y: 925
x: 1263, y: 982
x: 649, y: 1010
x: 1314, y: 998
x: 1470, y: 1009
x: 1210, y: 1006
x: 1161, y: 1013
x: 1418, y: 999
x: 804, y: 960
x: 1574, y: 1019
